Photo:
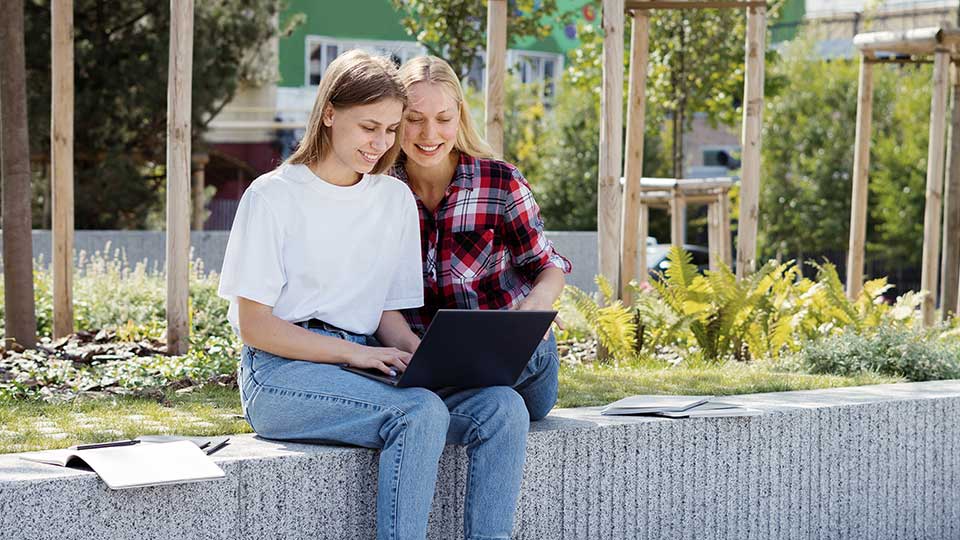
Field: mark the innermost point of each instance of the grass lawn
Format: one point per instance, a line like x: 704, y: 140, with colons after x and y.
x: 592, y: 384
x: 215, y: 410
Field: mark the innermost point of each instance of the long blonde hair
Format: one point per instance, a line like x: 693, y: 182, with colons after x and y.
x: 437, y: 71
x: 353, y: 78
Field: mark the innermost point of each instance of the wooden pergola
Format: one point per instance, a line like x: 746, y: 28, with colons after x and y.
x: 674, y: 195
x: 622, y: 215
x: 912, y: 46
x: 178, y: 169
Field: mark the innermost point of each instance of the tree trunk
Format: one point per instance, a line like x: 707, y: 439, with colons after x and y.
x: 19, y: 316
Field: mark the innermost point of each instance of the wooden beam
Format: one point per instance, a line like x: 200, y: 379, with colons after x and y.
x: 61, y: 150
x: 931, y: 216
x: 750, y: 142
x: 496, y: 72
x: 643, y: 232
x: 611, y: 129
x: 633, y: 166
x: 687, y: 185
x: 950, y: 263
x: 662, y: 199
x: 916, y: 41
x: 861, y: 166
x: 713, y: 234
x: 678, y: 214
x: 692, y: 4
x: 179, y: 85
x: 724, y: 211
x: 19, y: 315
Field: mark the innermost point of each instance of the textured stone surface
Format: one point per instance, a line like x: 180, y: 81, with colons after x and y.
x: 870, y: 462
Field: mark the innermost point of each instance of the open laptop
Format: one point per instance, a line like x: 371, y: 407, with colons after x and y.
x: 471, y: 348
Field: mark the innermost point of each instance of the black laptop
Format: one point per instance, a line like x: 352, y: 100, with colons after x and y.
x: 471, y: 348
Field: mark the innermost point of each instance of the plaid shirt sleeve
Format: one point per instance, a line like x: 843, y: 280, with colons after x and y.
x: 530, y: 250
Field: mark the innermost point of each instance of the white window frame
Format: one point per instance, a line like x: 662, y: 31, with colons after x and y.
x: 515, y: 57
x: 404, y: 50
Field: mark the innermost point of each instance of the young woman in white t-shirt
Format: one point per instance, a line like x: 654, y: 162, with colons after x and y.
x: 323, y: 253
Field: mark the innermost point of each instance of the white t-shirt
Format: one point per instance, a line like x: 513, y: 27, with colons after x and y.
x: 311, y: 249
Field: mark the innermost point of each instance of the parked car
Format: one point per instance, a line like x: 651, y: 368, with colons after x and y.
x: 657, y: 258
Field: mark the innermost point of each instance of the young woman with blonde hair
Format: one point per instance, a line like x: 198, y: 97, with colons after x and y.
x: 482, y: 241
x: 323, y: 254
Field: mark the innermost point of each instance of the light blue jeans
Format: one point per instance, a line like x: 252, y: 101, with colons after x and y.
x: 296, y: 400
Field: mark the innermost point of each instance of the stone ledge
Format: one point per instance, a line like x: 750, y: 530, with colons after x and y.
x: 867, y: 462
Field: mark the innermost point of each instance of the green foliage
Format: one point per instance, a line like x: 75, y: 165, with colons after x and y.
x: 610, y: 321
x: 556, y: 148
x: 696, y: 64
x: 685, y: 316
x: 121, y: 51
x: 913, y: 354
x: 807, y: 161
x: 455, y: 30
x: 128, y: 299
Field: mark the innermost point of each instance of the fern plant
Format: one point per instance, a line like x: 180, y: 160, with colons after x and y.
x: 610, y: 322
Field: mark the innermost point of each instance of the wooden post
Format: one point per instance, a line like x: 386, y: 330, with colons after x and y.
x: 61, y: 150
x: 633, y: 166
x: 611, y: 125
x: 950, y: 265
x: 713, y: 233
x: 19, y: 315
x: 861, y: 166
x: 678, y: 208
x: 496, y: 72
x: 931, y: 216
x: 723, y: 209
x: 643, y: 232
x: 199, y: 184
x: 752, y: 123
x: 178, y: 174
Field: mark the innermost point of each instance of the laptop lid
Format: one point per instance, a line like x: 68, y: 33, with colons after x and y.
x: 472, y: 348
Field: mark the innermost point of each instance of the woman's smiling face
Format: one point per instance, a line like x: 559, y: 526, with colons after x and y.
x: 431, y: 124
x: 362, y: 134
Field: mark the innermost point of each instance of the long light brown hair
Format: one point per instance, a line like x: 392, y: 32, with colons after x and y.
x: 353, y: 78
x: 437, y: 71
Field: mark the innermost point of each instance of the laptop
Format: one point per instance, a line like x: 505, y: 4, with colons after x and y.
x: 471, y: 348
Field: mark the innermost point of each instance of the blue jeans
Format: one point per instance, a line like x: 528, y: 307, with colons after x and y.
x: 539, y: 383
x: 296, y: 400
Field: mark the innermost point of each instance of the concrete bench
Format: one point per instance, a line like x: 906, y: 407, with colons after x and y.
x: 868, y: 462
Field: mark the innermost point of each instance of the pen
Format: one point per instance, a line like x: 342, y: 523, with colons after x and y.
x: 218, y: 446
x: 107, y: 444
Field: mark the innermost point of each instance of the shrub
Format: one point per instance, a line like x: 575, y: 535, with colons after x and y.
x: 917, y: 355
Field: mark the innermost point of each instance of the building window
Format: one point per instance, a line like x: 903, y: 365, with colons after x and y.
x: 321, y: 50
x: 537, y: 68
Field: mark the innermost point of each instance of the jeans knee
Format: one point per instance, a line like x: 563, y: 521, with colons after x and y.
x: 538, y: 410
x: 508, y: 408
x: 428, y: 413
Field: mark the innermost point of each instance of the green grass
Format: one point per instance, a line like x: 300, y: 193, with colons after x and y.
x: 593, y: 384
x: 214, y: 410
x: 35, y: 425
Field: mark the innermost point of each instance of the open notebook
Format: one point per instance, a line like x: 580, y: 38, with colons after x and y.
x: 676, y: 407
x: 138, y: 465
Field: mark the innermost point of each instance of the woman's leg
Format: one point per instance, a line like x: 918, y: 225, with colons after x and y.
x: 295, y: 400
x: 492, y: 423
x: 539, y: 382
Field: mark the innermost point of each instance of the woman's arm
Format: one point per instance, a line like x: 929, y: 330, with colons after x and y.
x: 546, y: 289
x: 260, y: 328
x: 395, y: 332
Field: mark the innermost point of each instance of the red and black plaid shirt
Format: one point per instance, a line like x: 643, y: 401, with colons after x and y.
x: 483, y: 246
